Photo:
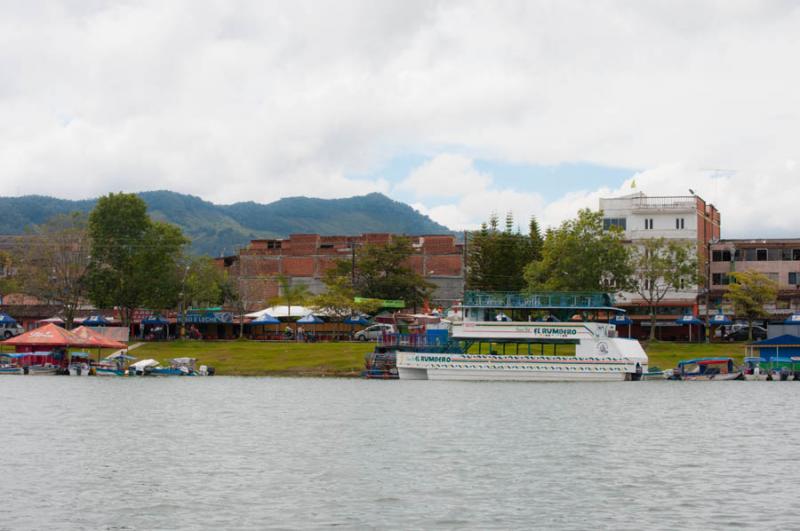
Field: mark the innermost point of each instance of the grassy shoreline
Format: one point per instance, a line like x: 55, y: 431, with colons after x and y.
x: 346, y: 359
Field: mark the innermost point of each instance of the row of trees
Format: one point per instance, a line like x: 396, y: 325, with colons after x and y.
x: 119, y: 257
x: 582, y: 255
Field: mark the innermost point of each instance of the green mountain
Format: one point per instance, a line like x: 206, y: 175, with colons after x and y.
x: 221, y: 229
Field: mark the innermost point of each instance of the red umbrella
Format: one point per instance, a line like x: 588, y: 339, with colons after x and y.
x: 49, y: 335
x: 96, y: 339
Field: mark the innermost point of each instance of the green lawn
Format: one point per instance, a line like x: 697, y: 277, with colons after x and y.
x: 667, y: 354
x: 255, y: 358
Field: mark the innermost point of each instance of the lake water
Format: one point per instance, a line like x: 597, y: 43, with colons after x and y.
x: 255, y: 453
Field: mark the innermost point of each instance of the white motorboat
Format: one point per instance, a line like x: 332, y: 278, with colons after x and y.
x: 41, y: 370
x: 509, y: 354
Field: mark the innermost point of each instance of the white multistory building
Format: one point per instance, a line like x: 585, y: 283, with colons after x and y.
x: 682, y: 218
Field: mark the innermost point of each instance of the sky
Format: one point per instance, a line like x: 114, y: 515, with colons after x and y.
x: 461, y: 109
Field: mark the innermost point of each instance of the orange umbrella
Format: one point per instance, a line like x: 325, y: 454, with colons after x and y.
x: 49, y: 335
x: 96, y: 339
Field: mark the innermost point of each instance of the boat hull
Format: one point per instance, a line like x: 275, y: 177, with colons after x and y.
x: 421, y: 366
x: 42, y: 371
x: 10, y: 370
x: 712, y: 377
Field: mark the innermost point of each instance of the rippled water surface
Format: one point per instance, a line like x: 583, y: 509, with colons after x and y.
x: 235, y: 453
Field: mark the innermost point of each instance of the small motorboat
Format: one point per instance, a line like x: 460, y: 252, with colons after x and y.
x: 10, y: 369
x: 79, y: 369
x: 707, y: 369
x: 753, y: 371
x: 143, y: 367
x: 42, y: 370
x: 177, y: 367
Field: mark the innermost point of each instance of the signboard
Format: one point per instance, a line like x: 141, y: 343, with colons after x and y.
x: 384, y: 303
x: 209, y: 317
x: 519, y: 331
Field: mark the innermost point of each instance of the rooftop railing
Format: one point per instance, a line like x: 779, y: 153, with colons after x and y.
x: 665, y: 202
x: 544, y: 300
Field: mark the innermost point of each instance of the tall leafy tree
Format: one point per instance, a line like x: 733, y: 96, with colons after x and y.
x: 134, y: 260
x: 580, y: 256
x: 749, y: 293
x: 382, y: 271
x: 497, y: 257
x: 660, y: 267
x: 9, y: 280
x: 54, y: 261
x: 338, y: 300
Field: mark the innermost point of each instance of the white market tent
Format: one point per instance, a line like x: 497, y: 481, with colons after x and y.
x: 282, y: 311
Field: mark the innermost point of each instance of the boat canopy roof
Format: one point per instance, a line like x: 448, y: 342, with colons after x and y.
x: 754, y: 359
x: 704, y: 361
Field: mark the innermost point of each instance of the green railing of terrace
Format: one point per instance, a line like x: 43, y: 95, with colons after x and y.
x: 544, y: 299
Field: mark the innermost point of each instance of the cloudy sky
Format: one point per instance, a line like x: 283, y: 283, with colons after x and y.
x: 458, y: 108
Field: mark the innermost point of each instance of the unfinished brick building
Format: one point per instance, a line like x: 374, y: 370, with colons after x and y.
x: 304, y: 258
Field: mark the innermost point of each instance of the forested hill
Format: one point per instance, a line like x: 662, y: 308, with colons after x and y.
x: 221, y: 229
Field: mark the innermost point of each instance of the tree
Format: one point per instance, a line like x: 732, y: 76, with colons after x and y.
x: 338, y: 300
x: 9, y: 282
x: 496, y: 259
x: 202, y: 282
x: 382, y: 272
x: 749, y: 292
x: 290, y: 294
x: 580, y: 256
x: 660, y: 266
x: 232, y: 296
x: 54, y: 260
x: 134, y: 260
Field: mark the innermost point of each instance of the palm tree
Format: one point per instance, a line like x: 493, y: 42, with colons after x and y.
x: 290, y: 294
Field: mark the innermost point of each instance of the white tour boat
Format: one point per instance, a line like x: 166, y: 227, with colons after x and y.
x: 509, y: 355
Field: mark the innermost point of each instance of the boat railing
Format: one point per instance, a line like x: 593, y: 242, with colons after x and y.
x: 412, y: 341
x: 545, y: 299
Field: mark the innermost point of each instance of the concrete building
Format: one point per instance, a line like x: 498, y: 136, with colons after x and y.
x: 681, y: 218
x: 779, y: 259
x: 304, y: 258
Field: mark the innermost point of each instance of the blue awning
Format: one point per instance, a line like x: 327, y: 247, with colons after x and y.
x: 720, y: 319
x: 688, y: 320
x: 7, y: 319
x: 95, y: 320
x: 357, y: 320
x: 622, y: 319
x: 310, y: 319
x: 793, y: 319
x: 265, y: 319
x: 154, y: 320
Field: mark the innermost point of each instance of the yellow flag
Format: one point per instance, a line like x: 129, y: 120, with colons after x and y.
x: 633, y: 183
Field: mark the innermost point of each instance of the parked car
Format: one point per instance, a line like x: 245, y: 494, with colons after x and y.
x: 371, y: 333
x: 739, y: 333
x: 8, y: 330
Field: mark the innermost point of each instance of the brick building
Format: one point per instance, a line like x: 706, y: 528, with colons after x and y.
x: 304, y: 258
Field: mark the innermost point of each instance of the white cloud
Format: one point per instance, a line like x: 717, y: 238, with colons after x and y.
x: 258, y: 100
x: 446, y: 175
x: 473, y: 196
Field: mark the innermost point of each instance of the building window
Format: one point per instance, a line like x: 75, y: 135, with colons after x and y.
x: 795, y: 254
x: 679, y: 223
x: 793, y: 278
x: 720, y: 279
x: 648, y: 223
x: 614, y: 222
x: 774, y: 255
x: 721, y: 256
x: 772, y: 276
x: 761, y: 255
